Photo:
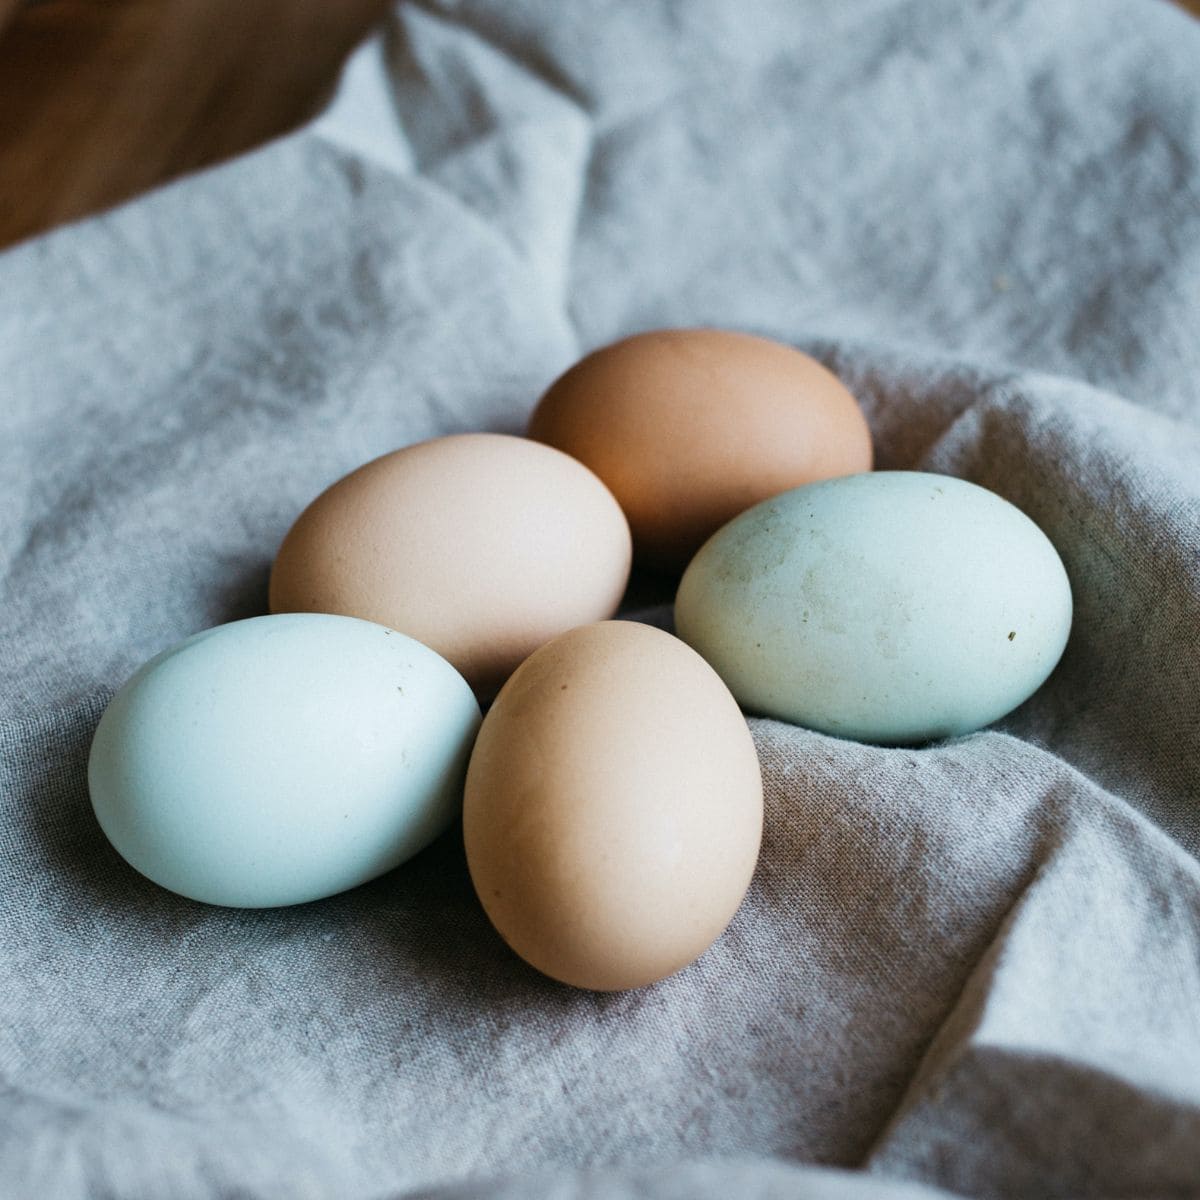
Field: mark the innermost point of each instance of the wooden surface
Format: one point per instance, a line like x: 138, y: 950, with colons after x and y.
x: 101, y: 99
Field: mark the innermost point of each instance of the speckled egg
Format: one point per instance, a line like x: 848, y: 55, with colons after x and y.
x: 893, y: 607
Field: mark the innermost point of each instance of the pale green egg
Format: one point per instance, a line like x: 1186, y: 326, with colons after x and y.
x: 891, y: 607
x: 282, y: 759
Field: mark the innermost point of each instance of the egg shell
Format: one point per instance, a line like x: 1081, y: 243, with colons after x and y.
x: 281, y: 759
x: 613, y: 807
x: 482, y: 546
x: 690, y: 427
x: 895, y: 607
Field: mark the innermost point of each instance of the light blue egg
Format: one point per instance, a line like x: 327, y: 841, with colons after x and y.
x: 891, y: 607
x: 281, y: 759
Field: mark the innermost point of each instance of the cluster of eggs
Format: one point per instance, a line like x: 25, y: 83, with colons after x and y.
x: 611, y: 798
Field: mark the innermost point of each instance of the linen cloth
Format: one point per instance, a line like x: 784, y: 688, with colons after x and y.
x: 971, y: 966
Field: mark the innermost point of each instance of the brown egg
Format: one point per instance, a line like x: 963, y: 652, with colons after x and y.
x: 690, y: 427
x: 613, y: 807
x: 481, y: 546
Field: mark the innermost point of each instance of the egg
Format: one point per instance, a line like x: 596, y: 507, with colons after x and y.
x: 482, y: 546
x: 613, y: 807
x: 894, y: 607
x: 281, y: 759
x: 689, y: 427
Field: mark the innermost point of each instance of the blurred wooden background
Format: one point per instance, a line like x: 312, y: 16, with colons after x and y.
x: 101, y: 99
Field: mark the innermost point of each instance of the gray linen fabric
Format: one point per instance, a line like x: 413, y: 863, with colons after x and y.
x: 972, y: 966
